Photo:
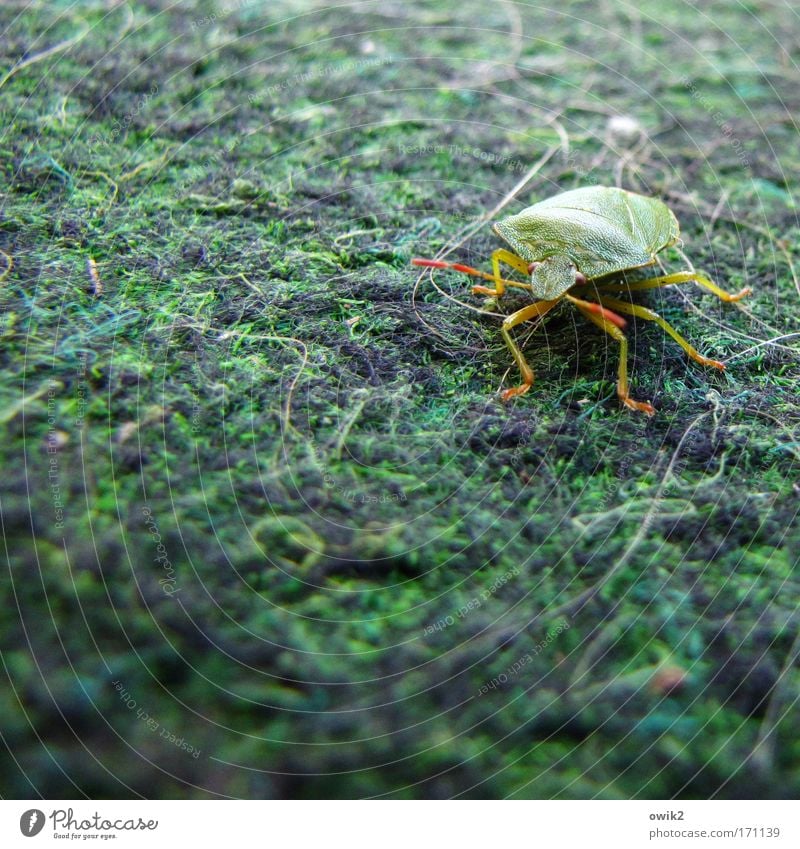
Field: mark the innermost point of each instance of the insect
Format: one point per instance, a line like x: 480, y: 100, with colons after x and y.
x: 588, y: 242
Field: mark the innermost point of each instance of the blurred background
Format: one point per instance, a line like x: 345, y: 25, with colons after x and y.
x: 269, y: 530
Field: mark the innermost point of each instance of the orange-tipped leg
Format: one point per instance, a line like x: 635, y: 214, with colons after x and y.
x: 526, y: 313
x: 649, y: 315
x: 677, y: 278
x: 640, y: 406
x: 500, y: 283
x: 516, y: 391
x: 603, y: 320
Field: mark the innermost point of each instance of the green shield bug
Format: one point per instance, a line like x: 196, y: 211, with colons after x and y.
x: 588, y: 242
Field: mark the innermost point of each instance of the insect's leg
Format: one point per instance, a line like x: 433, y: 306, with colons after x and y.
x: 615, y: 333
x: 512, y: 260
x: 677, y: 278
x: 649, y: 315
x: 466, y: 269
x: 531, y: 311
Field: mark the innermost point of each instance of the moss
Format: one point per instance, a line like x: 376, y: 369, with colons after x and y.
x: 281, y: 506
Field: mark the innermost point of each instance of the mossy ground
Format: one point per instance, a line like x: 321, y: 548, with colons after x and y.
x: 234, y: 514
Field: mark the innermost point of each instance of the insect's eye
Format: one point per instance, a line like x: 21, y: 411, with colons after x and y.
x: 532, y: 267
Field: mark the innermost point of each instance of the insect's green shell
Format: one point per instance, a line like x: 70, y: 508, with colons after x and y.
x: 602, y: 230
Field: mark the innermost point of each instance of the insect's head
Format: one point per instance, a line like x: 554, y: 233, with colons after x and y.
x: 552, y: 273
x: 553, y: 276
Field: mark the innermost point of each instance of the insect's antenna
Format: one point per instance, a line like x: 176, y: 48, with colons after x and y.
x: 465, y: 269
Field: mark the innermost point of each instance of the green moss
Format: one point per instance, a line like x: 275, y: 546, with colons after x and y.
x: 291, y: 515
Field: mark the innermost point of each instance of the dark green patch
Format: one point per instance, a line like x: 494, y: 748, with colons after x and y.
x: 285, y: 512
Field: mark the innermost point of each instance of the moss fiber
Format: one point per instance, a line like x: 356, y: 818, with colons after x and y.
x: 268, y: 529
